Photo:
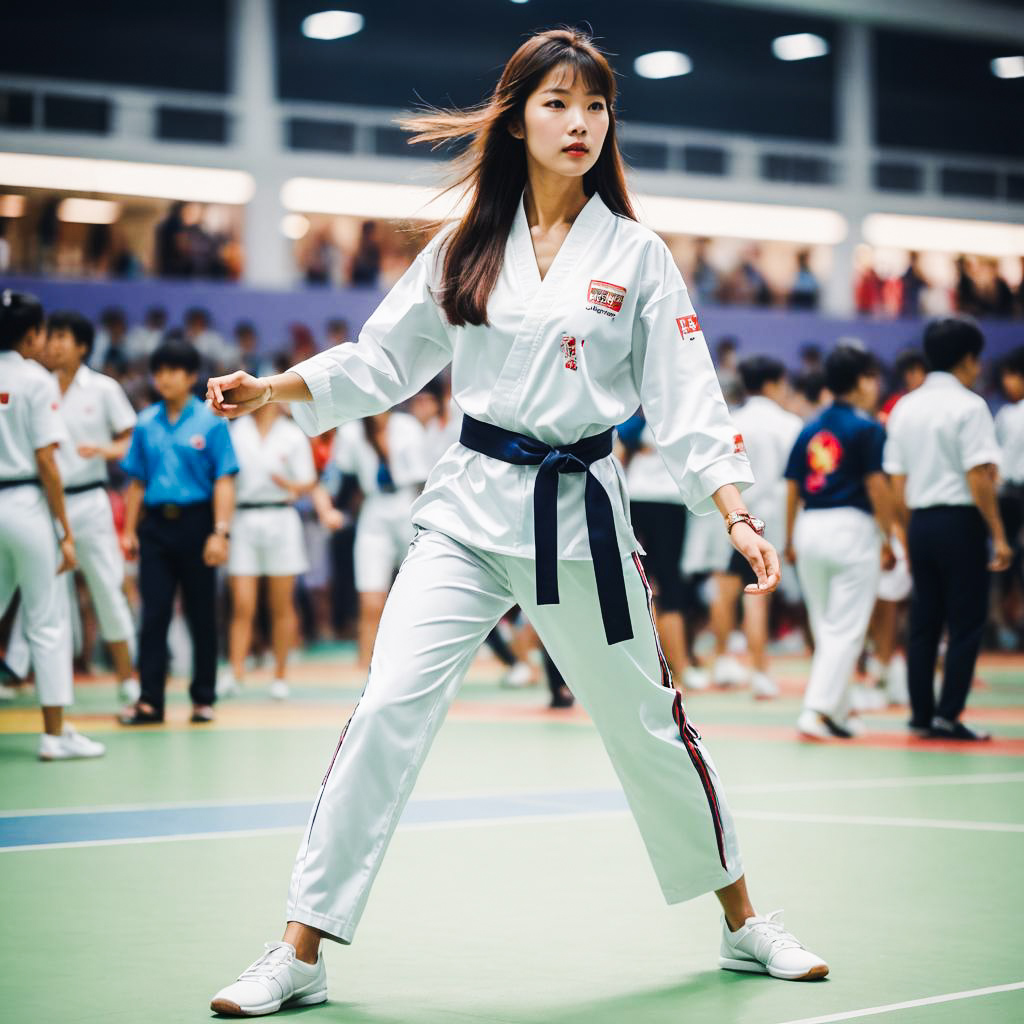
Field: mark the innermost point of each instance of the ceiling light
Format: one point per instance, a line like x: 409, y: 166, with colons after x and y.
x: 12, y: 206
x: 941, y: 234
x: 801, y: 46
x: 121, y: 178
x: 1008, y: 67
x: 332, y: 24
x: 367, y: 199
x: 88, y: 211
x: 662, y: 64
x: 294, y: 226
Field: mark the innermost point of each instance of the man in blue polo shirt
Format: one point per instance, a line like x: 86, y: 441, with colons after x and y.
x: 841, y: 539
x: 178, y: 510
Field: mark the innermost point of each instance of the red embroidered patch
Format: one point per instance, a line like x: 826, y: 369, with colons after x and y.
x: 738, y: 447
x: 688, y: 325
x: 569, y: 350
x: 606, y: 294
x: 5, y: 397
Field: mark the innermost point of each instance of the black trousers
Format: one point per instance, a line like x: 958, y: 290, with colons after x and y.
x: 171, y: 556
x: 660, y: 526
x: 948, y: 548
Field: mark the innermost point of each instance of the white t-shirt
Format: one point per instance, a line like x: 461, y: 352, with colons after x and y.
x: 1010, y: 432
x: 94, y: 409
x: 407, y: 453
x: 647, y: 476
x: 29, y: 416
x: 284, y: 451
x: 935, y: 435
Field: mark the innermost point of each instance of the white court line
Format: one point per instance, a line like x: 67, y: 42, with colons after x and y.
x: 866, y: 819
x: 894, y: 782
x: 872, y: 1011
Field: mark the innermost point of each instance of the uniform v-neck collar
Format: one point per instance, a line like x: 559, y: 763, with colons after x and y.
x: 575, y: 241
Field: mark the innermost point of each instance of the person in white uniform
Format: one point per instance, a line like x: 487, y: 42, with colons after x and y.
x: 835, y: 473
x: 99, y: 419
x: 31, y: 500
x: 387, y: 454
x: 767, y: 431
x: 275, y: 467
x: 560, y: 315
x: 1010, y: 434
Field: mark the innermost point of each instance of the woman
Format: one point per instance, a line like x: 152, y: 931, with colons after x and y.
x: 560, y: 315
x: 275, y: 467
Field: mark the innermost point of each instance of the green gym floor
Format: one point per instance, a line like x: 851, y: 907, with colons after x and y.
x: 516, y: 888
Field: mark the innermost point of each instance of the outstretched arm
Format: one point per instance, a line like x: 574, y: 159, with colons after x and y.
x: 237, y: 393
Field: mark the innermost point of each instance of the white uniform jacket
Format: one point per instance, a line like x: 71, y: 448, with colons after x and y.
x: 610, y: 327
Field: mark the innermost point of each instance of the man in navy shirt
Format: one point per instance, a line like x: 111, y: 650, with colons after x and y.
x: 835, y: 472
x: 178, y: 510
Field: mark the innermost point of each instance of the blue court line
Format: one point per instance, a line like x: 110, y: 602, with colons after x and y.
x: 26, y: 831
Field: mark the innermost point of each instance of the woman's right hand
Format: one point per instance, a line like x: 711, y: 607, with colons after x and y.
x: 237, y: 393
x: 68, y: 560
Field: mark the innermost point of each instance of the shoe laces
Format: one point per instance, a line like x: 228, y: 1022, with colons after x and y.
x: 277, y: 955
x: 770, y: 930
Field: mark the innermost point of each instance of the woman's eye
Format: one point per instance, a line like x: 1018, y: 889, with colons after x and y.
x: 551, y: 103
x: 598, y: 104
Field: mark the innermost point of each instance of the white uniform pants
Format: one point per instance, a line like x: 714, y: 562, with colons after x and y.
x: 28, y: 562
x: 838, y: 559
x: 445, y: 601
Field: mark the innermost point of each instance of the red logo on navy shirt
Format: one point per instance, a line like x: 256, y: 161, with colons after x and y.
x: 688, y: 325
x: 197, y: 441
x: 569, y: 350
x: 824, y: 453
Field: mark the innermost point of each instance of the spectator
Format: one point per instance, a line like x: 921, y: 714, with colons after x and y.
x: 366, y: 262
x: 200, y: 334
x: 728, y: 375
x: 910, y: 370
x: 913, y: 284
x: 805, y: 291
x: 247, y: 344
x: 110, y: 353
x: 321, y: 263
x: 172, y: 251
x: 705, y: 277
x: 145, y: 337
x: 337, y: 332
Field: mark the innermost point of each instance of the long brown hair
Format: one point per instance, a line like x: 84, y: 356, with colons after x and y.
x: 493, y: 166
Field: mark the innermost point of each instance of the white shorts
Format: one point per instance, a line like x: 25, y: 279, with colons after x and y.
x: 896, y: 584
x: 267, y: 542
x: 382, y: 540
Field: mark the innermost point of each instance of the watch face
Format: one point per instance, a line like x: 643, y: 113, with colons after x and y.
x: 757, y: 525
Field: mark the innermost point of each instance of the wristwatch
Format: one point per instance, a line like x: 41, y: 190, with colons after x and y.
x: 740, y: 516
x: 223, y: 530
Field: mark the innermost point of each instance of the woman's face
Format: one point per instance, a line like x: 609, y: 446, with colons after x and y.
x: 565, y: 125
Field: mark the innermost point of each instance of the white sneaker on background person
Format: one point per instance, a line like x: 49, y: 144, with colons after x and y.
x: 763, y: 946
x: 279, y: 690
x: 276, y: 981
x: 696, y: 678
x: 763, y: 686
x: 520, y: 675
x: 820, y: 727
x: 895, y: 680
x: 728, y: 671
x: 129, y: 690
x: 68, y: 745
x: 867, y: 698
x: 227, y: 684
x: 7, y: 692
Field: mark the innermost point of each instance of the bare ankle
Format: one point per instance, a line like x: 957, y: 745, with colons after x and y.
x: 305, y: 939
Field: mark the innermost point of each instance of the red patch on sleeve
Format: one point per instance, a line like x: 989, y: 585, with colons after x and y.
x: 5, y: 397
x: 688, y: 325
x: 738, y: 447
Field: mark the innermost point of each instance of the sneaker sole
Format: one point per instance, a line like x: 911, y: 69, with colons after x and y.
x: 756, y: 967
x: 230, y: 1009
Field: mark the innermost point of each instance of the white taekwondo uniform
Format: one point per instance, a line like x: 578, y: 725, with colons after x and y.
x: 30, y: 420
x: 610, y: 327
x: 266, y: 534
x: 384, y: 528
x: 95, y: 409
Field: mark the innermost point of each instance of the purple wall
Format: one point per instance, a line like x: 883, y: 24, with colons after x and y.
x: 779, y: 332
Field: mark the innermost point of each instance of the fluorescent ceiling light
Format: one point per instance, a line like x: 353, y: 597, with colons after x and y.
x: 800, y: 46
x: 368, y: 199
x: 806, y: 225
x: 88, y: 211
x: 941, y: 234
x: 294, y: 226
x: 12, y: 206
x: 119, y: 177
x: 332, y: 24
x: 1008, y: 67
x: 663, y: 64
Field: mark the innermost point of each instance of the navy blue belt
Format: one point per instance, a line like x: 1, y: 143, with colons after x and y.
x: 523, y: 450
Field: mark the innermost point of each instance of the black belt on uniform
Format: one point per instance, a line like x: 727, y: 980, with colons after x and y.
x: 523, y: 450
x: 242, y: 506
x: 4, y: 484
x: 82, y: 488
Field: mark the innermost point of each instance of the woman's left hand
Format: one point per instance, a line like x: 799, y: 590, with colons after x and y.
x: 761, y: 555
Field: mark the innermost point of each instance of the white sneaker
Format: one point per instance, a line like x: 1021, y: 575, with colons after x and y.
x: 764, y: 687
x: 277, y: 980
x: 7, y: 692
x: 129, y: 690
x: 763, y: 946
x: 279, y: 689
x: 867, y: 698
x: 896, y: 689
x: 227, y: 684
x: 696, y: 678
x: 69, y: 744
x: 854, y: 724
x: 728, y: 672
x: 820, y: 727
x: 520, y: 675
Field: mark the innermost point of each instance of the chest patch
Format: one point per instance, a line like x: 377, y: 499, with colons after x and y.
x: 824, y: 454
x: 570, y: 347
x: 5, y: 399
x: 689, y: 326
x: 197, y: 441
x: 605, y: 298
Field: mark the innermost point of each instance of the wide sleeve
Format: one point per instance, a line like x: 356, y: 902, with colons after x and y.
x: 679, y: 390
x: 402, y: 346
